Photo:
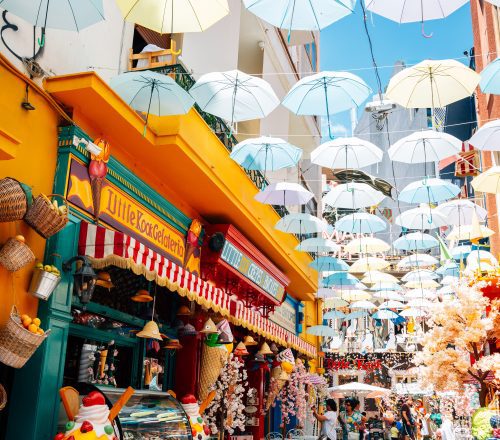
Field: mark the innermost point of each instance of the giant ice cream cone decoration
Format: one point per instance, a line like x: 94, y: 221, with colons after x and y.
x: 98, y: 169
x: 213, y: 360
x: 278, y: 380
x: 102, y: 362
x: 193, y: 247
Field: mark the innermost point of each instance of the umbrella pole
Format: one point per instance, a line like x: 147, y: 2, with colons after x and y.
x: 149, y: 107
x: 327, y: 109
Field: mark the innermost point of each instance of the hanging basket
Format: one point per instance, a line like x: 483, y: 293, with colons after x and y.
x: 44, y: 218
x: 15, y: 199
x: 43, y: 283
x: 15, y: 254
x: 3, y: 397
x: 17, y: 344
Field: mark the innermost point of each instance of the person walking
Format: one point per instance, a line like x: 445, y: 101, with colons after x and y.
x: 394, y: 431
x: 351, y: 419
x: 328, y: 420
x: 407, y: 419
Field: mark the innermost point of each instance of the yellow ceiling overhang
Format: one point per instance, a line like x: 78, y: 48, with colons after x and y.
x: 184, y: 160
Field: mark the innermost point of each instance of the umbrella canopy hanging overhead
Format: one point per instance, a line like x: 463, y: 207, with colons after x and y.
x: 346, y: 153
x: 326, y: 93
x: 367, y: 245
x: 488, y: 181
x: 152, y: 93
x: 234, y: 96
x: 422, y: 284
x: 425, y: 146
x: 174, y: 16
x: 419, y: 275
x: 363, y: 304
x: 481, y: 259
x: 413, y: 313
x: 334, y: 301
x: 365, y: 264
x: 385, y: 314
x: 449, y: 280
x: 328, y: 264
x: 490, y: 76
x: 460, y: 252
x: 388, y: 295
x: 376, y: 276
x: 487, y: 137
x: 420, y: 293
x: 340, y: 279
x: 285, y: 194
x: 57, y: 14
x: 415, y: 241
x: 391, y: 304
x: 301, y: 223
x: 266, y: 153
x: 353, y: 196
x: 300, y: 15
x: 317, y: 245
x: 420, y: 303
x: 355, y: 315
x: 381, y: 286
x: 460, y: 211
x: 417, y: 260
x: 355, y: 295
x: 421, y: 218
x: 451, y: 268
x: 432, y: 84
x: 469, y: 232
x: 321, y: 330
x: 428, y: 191
x: 361, y: 223
x: 334, y: 314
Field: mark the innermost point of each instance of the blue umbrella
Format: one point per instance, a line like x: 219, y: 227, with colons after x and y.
x: 340, y: 279
x: 328, y: 264
x: 301, y: 223
x: 303, y: 15
x: 152, y: 93
x: 385, y: 314
x: 334, y: 314
x: 490, y: 78
x: 326, y: 93
x: 428, y: 191
x: 355, y: 315
x: 451, y: 268
x: 266, y: 154
x: 361, y: 223
x: 415, y: 241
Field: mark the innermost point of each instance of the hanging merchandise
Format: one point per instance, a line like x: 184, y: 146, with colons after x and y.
x: 16, y: 254
x: 213, y: 358
x: 240, y: 350
x: 15, y: 199
x: 209, y: 327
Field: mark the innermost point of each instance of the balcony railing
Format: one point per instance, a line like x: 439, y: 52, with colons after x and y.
x: 216, y: 124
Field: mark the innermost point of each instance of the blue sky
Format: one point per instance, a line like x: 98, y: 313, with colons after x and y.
x: 344, y: 46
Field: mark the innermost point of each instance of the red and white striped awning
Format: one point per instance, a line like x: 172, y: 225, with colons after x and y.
x: 105, y: 247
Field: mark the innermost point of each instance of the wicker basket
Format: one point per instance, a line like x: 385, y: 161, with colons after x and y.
x: 14, y: 199
x: 3, y: 397
x: 15, y: 254
x: 17, y: 344
x: 43, y: 218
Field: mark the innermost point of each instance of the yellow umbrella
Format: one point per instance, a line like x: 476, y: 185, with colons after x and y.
x: 352, y: 295
x: 366, y: 264
x: 375, y: 276
x: 174, y: 16
x: 469, y: 232
x: 366, y: 245
x: 488, y: 182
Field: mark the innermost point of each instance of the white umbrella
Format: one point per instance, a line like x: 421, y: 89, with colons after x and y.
x: 480, y: 258
x: 487, y: 137
x: 420, y: 293
x: 413, y: 313
x: 361, y: 223
x: 446, y: 290
x: 422, y: 284
x: 419, y: 275
x: 334, y: 314
x: 391, y: 304
x: 346, y: 153
x: 425, y: 146
x: 432, y: 84
x: 367, y: 245
x: 428, y: 191
x: 385, y: 314
x: 284, y: 193
x: 417, y: 260
x: 317, y: 244
x: 234, y: 96
x: 385, y: 285
x: 355, y: 295
x: 365, y: 264
x: 420, y: 303
x: 353, y: 195
x: 469, y: 232
x: 449, y: 280
x: 488, y: 182
x: 335, y: 301
x: 375, y: 276
x: 358, y: 387
x: 363, y: 304
x: 415, y: 241
x: 421, y: 218
x: 301, y: 223
x: 321, y: 330
x: 460, y: 211
x: 326, y: 93
x: 388, y: 295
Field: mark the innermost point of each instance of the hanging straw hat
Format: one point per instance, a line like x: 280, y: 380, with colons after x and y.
x: 173, y: 344
x: 248, y: 340
x: 184, y: 311
x: 150, y: 331
x: 265, y: 350
x: 142, y: 296
x: 209, y: 327
x: 241, y: 350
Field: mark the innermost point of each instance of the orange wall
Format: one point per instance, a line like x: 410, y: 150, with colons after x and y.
x: 29, y: 138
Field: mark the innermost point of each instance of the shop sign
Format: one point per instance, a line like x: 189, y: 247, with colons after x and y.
x: 355, y: 364
x: 285, y: 315
x: 122, y: 212
x: 252, y: 271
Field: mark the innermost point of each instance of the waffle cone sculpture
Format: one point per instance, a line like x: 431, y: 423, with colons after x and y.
x: 213, y: 360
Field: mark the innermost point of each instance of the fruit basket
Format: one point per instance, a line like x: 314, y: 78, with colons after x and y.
x: 15, y: 198
x: 44, y: 281
x: 46, y: 217
x: 15, y: 254
x: 19, y: 339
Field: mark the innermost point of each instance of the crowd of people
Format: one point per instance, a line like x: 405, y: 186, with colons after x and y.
x: 412, y: 422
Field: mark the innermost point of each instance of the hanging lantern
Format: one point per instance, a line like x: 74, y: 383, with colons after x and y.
x: 84, y: 279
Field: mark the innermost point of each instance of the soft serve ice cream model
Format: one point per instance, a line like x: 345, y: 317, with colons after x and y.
x: 199, y: 429
x: 93, y: 420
